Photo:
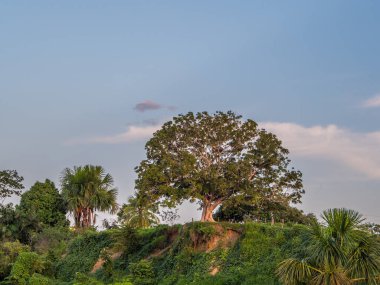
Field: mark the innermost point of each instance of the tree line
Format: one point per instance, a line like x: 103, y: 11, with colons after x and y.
x: 234, y: 170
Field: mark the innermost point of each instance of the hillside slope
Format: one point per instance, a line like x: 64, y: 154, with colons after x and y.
x: 195, y: 253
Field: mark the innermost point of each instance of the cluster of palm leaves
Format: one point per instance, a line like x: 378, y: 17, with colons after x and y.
x: 139, y: 212
x: 337, y: 252
x: 86, y: 190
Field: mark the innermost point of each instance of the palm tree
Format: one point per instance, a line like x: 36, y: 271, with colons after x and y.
x: 87, y: 189
x: 139, y: 212
x: 337, y: 252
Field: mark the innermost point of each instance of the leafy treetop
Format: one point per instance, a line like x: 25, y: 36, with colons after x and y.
x: 44, y: 201
x: 10, y: 184
x: 214, y: 158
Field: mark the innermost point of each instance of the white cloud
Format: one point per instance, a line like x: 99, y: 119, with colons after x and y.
x: 133, y: 133
x: 359, y: 151
x: 372, y: 102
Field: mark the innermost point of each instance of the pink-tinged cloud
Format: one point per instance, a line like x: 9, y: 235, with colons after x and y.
x: 358, y: 151
x: 372, y: 102
x: 147, y: 106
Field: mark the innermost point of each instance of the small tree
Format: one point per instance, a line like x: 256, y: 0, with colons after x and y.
x: 213, y: 158
x: 87, y: 189
x: 139, y: 212
x: 45, y: 202
x: 9, y: 224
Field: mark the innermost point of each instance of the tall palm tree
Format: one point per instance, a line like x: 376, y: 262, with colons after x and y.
x: 139, y: 212
x: 88, y: 189
x: 337, y: 252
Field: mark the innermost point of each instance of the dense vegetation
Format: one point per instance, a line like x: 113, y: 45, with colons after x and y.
x: 239, y: 175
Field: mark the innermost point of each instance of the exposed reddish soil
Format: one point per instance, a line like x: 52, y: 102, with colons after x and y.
x: 100, y: 261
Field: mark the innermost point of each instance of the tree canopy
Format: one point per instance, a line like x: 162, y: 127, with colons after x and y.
x: 213, y: 158
x: 45, y: 202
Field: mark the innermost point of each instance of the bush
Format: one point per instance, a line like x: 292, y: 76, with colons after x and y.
x: 51, y: 239
x: 83, y: 279
x: 142, y: 272
x: 38, y: 279
x: 123, y: 282
x: 126, y: 239
x: 8, y: 255
x: 27, y: 263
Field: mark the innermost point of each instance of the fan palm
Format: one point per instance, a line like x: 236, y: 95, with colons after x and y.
x: 88, y: 189
x: 337, y: 252
x: 139, y: 212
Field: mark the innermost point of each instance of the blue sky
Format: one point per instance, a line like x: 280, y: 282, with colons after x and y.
x: 72, y: 73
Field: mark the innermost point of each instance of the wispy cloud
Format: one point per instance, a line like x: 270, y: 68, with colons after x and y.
x: 133, y: 133
x: 372, y: 102
x: 148, y: 105
x: 358, y: 151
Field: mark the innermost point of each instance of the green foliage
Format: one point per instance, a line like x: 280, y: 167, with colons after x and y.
x: 213, y: 158
x: 142, y: 272
x: 10, y: 184
x: 264, y: 212
x: 83, y: 279
x: 336, y: 252
x: 178, y: 255
x: 9, y: 227
x: 40, y: 207
x: 139, y: 212
x: 9, y: 252
x: 86, y: 190
x: 154, y: 239
x: 45, y: 203
x: 51, y: 239
x: 126, y: 239
x: 204, y: 230
x: 38, y: 279
x: 188, y: 254
x: 123, y: 282
x: 82, y: 254
x: 27, y: 263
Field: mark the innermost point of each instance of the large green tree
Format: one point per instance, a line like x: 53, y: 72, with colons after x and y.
x: 213, y: 158
x: 88, y: 189
x: 44, y: 201
x: 10, y: 184
x: 337, y: 252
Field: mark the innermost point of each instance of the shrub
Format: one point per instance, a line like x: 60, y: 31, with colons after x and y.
x: 8, y: 255
x: 142, y: 272
x: 83, y: 279
x: 27, y: 263
x: 38, y: 279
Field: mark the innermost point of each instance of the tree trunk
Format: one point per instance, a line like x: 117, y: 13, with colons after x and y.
x: 207, y: 211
